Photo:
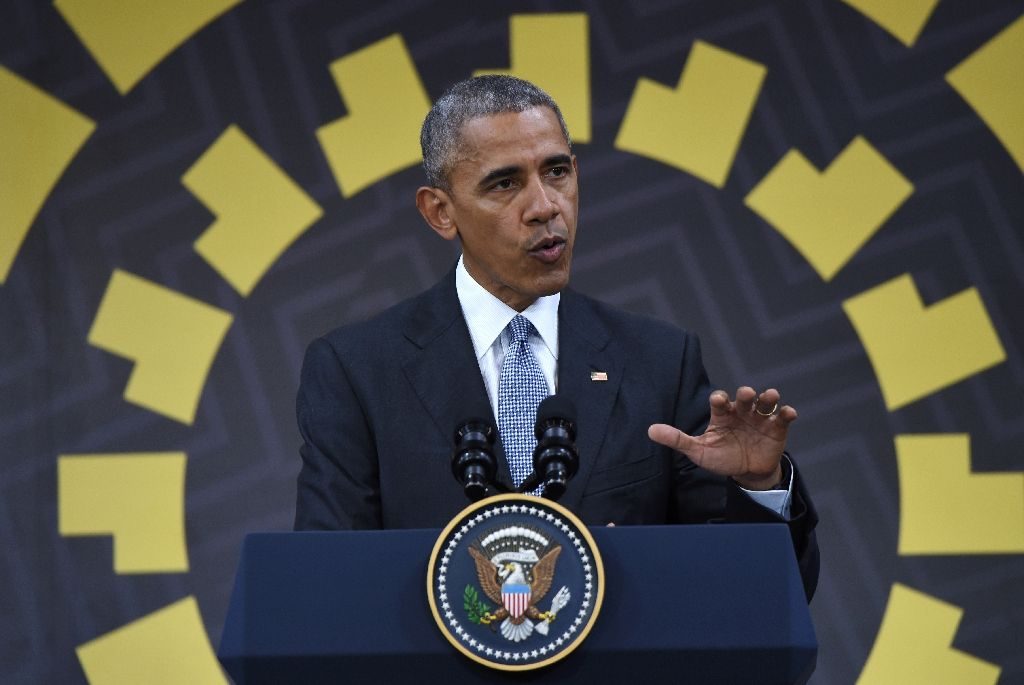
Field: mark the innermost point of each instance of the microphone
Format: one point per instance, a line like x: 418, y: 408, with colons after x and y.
x: 555, y: 460
x: 473, y: 462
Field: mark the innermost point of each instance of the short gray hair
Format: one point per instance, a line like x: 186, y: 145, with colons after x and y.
x: 476, y: 97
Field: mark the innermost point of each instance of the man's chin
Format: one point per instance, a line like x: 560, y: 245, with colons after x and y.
x: 553, y: 282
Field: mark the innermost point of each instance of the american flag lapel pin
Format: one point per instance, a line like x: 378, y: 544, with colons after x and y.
x: 598, y: 376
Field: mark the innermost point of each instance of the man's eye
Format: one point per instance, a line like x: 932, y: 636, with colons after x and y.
x: 559, y: 171
x: 503, y: 184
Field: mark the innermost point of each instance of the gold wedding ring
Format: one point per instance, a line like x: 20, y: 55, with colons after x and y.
x: 775, y: 408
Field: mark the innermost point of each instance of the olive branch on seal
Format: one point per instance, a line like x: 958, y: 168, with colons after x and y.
x: 475, y: 608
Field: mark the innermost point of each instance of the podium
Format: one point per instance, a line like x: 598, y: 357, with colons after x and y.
x: 682, y: 604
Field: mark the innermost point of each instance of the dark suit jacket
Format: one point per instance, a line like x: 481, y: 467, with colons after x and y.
x: 379, y: 402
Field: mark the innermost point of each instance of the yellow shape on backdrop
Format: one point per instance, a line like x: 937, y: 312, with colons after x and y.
x: 904, y: 19
x: 139, y: 499
x: 260, y: 210
x: 914, y: 645
x: 946, y: 509
x: 39, y: 136
x: 697, y: 125
x: 567, y: 79
x: 172, y: 338
x: 829, y: 215
x: 167, y: 647
x: 990, y: 81
x: 128, y: 38
x: 917, y: 350
x: 386, y: 105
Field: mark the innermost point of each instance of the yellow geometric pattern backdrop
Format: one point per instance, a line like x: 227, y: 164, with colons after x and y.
x: 918, y: 350
x: 914, y: 645
x: 138, y: 499
x: 386, y: 103
x: 830, y: 215
x: 171, y: 338
x: 167, y: 647
x: 129, y: 39
x: 39, y: 136
x: 697, y: 125
x: 990, y: 82
x: 260, y: 211
x: 826, y: 211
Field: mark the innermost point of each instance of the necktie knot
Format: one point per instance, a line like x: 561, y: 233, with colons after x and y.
x: 520, y: 329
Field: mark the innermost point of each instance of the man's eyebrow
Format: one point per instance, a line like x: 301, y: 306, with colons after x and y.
x: 556, y: 160
x: 495, y: 174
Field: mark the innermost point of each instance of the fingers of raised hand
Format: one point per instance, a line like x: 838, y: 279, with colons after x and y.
x: 767, y: 403
x: 670, y: 436
x: 765, y: 406
x: 745, y: 399
x: 720, y: 404
x: 786, y: 416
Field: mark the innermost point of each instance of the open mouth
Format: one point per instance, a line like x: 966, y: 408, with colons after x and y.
x: 548, y: 250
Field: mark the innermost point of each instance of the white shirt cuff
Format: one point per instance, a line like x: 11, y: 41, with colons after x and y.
x: 776, y: 500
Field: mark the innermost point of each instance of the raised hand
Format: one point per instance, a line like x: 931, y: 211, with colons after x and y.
x: 744, y: 439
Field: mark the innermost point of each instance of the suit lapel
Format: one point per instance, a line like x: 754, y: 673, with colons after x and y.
x: 443, y: 369
x: 583, y: 348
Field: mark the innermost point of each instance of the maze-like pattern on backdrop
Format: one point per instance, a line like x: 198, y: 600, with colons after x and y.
x: 829, y: 192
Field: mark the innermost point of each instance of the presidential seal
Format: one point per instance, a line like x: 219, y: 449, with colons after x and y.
x: 515, y: 582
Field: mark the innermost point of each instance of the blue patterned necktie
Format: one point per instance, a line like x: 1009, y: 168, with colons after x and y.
x: 521, y: 388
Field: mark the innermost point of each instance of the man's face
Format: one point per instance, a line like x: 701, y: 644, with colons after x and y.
x: 513, y: 203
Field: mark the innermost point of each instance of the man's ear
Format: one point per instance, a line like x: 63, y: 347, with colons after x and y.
x: 435, y: 206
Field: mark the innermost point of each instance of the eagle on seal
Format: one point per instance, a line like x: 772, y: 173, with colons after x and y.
x: 505, y: 583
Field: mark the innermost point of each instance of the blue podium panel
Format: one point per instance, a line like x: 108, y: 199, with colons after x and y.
x: 682, y: 604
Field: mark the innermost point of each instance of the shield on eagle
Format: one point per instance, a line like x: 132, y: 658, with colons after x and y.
x: 516, y: 598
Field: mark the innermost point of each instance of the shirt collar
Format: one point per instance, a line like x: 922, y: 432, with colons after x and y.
x: 487, y: 316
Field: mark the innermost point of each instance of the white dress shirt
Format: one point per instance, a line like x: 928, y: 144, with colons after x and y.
x: 487, y: 317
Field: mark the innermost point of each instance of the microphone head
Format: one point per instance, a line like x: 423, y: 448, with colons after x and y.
x: 556, y: 407
x: 477, y: 422
x: 473, y: 462
x: 555, y: 459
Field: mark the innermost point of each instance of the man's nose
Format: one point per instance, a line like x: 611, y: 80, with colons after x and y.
x: 540, y: 208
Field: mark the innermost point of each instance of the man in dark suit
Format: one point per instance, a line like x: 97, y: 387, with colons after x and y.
x: 379, y: 400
